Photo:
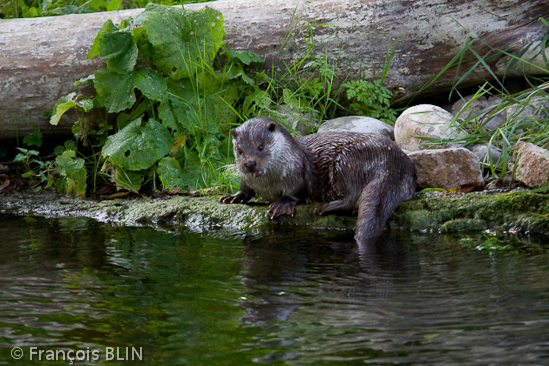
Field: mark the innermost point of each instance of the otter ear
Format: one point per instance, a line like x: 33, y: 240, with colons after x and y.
x: 271, y: 126
x: 234, y: 133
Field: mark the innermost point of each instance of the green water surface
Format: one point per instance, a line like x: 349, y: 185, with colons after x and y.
x: 291, y: 297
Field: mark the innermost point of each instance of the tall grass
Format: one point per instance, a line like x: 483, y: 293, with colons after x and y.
x: 307, y: 85
x: 302, y: 88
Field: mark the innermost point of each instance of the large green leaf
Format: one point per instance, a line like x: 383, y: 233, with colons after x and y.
x: 182, y: 39
x: 235, y: 71
x: 64, y: 103
x: 220, y: 95
x: 115, y: 90
x: 185, y: 111
x: 114, y: 5
x: 128, y: 179
x: 150, y: 83
x: 108, y: 27
x: 137, y: 147
x: 67, y: 102
x: 116, y: 46
x: 120, y: 52
x: 168, y: 118
x: 96, y: 4
x: 170, y: 173
x: 181, y: 101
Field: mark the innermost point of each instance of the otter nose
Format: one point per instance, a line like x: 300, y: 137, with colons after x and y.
x: 250, y: 165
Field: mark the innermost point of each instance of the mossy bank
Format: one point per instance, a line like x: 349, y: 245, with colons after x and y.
x: 518, y: 212
x: 521, y: 212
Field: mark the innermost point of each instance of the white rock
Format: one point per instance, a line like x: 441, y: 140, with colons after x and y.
x: 425, y: 120
x: 358, y: 124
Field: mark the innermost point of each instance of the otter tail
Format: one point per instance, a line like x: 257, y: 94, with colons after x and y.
x: 375, y: 204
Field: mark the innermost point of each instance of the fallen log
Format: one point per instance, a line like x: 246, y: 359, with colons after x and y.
x: 40, y: 58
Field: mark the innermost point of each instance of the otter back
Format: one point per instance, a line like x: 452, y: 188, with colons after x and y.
x: 360, y: 172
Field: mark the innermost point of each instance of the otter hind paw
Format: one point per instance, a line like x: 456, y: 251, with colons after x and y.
x: 334, y: 206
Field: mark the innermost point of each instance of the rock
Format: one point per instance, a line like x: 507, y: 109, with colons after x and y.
x: 481, y: 150
x: 518, y: 212
x: 485, y: 104
x: 425, y: 120
x: 536, y: 109
x: 358, y: 124
x: 447, y: 168
x: 532, y: 165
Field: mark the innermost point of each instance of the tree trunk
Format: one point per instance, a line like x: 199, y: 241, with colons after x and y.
x: 40, y: 58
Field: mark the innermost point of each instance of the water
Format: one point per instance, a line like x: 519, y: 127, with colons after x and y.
x: 97, y: 293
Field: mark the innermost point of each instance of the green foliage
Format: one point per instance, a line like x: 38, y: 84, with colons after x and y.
x: 117, y: 47
x: 67, y: 171
x: 130, y: 180
x: 39, y: 8
x: 35, y: 169
x: 182, y: 41
x: 176, y: 89
x: 371, y: 99
x: 71, y: 100
x: 68, y: 145
x: 26, y: 157
x: 72, y: 172
x: 34, y: 139
x: 305, y: 89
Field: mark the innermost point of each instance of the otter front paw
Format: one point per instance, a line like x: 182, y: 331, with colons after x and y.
x: 284, y: 206
x: 238, y: 197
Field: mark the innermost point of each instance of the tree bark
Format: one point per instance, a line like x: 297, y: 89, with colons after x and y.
x: 40, y: 58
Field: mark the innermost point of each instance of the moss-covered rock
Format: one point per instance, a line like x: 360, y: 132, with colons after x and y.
x: 524, y: 212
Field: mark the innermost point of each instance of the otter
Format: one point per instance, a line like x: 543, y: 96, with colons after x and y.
x: 359, y: 172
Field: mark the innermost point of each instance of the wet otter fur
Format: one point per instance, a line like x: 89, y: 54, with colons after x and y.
x: 360, y: 172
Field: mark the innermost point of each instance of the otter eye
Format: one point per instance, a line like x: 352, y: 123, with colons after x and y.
x: 260, y: 148
x: 239, y: 152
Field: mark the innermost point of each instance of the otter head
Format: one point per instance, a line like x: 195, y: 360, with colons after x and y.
x: 255, y: 145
